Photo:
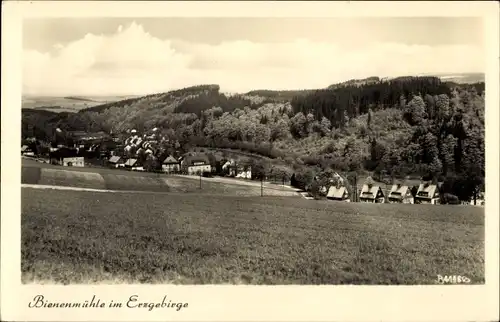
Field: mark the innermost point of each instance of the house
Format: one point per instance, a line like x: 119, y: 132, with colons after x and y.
x: 338, y: 193
x: 427, y: 193
x: 115, y: 160
x: 479, y: 200
x: 196, y: 164
x: 400, y: 194
x: 170, y: 164
x: 130, y: 163
x: 66, y: 157
x: 244, y: 173
x: 229, y: 167
x: 372, y: 194
x: 335, y: 179
x: 27, y: 151
x: 73, y: 162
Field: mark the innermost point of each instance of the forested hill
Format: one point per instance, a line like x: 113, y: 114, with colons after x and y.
x: 407, y: 125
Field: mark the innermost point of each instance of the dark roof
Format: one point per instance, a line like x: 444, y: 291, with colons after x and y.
x: 370, y: 192
x: 170, y: 160
x: 191, y: 159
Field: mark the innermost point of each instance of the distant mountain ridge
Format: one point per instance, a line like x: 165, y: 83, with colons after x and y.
x: 468, y: 78
x: 101, y: 103
x: 459, y: 78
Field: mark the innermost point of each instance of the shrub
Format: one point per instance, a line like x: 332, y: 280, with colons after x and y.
x: 450, y: 199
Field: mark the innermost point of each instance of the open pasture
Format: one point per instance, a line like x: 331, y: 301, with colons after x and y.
x: 97, y: 237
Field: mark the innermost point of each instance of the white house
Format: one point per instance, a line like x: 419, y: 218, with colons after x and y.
x: 73, y: 162
x: 338, y: 193
x: 371, y: 194
x: 244, y: 174
x: 170, y: 164
x: 427, y: 193
x: 196, y: 164
x: 230, y: 167
x: 400, y: 194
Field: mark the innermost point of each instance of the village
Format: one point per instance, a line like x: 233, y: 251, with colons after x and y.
x: 146, y: 152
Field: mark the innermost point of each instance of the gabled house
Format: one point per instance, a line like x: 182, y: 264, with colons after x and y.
x: 400, y: 194
x: 371, y: 194
x: 170, y: 164
x: 196, y: 164
x: 130, y: 163
x: 115, y: 160
x: 338, y: 193
x: 427, y: 193
x: 229, y: 167
x: 27, y: 151
x: 66, y: 157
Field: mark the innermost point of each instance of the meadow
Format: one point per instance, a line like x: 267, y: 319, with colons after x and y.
x: 123, y: 180
x: 68, y: 103
x: 97, y: 237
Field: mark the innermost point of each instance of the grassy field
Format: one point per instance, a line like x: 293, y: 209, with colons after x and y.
x: 95, y: 237
x: 123, y: 180
x: 68, y: 103
x: 58, y: 104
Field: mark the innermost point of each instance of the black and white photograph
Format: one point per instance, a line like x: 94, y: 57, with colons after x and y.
x: 253, y: 150
x: 240, y: 150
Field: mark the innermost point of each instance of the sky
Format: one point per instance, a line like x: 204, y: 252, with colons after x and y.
x: 127, y: 56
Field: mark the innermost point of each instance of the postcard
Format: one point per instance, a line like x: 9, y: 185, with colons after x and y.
x: 250, y: 161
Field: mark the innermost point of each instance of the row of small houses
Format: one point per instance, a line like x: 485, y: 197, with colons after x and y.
x: 426, y: 194
x: 194, y: 165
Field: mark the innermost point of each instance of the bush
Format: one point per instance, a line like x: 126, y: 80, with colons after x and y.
x: 450, y: 199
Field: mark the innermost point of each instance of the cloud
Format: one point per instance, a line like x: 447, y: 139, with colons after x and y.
x: 132, y: 61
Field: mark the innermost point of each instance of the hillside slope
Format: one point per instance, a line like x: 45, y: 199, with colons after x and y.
x: 397, y: 127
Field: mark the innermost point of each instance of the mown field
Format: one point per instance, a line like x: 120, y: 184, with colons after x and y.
x: 95, y: 237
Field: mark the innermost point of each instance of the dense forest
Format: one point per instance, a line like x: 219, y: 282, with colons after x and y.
x: 393, y: 128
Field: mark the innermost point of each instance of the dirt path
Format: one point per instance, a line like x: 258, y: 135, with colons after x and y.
x: 41, y: 186
x: 273, y: 192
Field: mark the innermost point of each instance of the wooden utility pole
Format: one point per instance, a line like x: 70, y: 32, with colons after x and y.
x: 355, y: 187
x: 261, y: 186
x: 200, y: 180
